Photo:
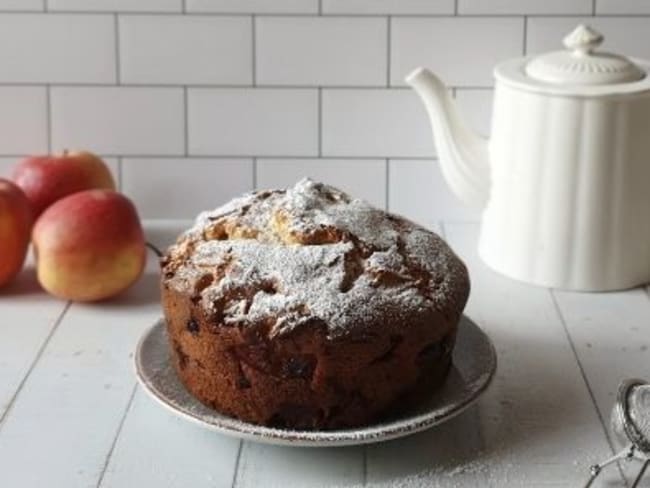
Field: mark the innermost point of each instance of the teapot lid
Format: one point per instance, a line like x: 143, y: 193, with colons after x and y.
x: 581, y: 65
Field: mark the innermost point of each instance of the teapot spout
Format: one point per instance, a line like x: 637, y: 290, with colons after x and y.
x: 463, y: 154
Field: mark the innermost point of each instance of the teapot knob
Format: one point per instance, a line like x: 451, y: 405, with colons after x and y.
x: 583, y: 40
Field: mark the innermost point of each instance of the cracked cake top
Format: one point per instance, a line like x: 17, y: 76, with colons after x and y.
x: 312, y: 255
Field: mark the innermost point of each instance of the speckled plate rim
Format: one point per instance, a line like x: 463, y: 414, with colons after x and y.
x: 470, y: 339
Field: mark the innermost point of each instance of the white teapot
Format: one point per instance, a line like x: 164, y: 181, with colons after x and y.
x: 564, y: 181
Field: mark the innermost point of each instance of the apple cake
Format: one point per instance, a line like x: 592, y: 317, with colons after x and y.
x: 308, y: 309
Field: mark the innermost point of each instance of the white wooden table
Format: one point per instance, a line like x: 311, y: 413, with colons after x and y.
x: 71, y: 414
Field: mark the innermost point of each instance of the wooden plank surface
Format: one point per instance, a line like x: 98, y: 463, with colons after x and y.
x: 72, y: 405
x: 293, y: 467
x: 159, y: 449
x: 536, y: 426
x: 611, y: 336
x: 27, y: 318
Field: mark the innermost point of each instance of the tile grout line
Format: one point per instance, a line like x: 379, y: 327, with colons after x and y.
x: 254, y: 49
x: 235, y: 474
x: 117, y: 435
x: 558, y: 311
x: 227, y: 86
x: 387, y: 196
x: 593, y: 7
x: 48, y: 117
x: 251, y: 156
x: 116, y: 27
x: 39, y: 354
x: 525, y: 41
x: 319, y: 123
x: 254, y: 175
x: 455, y: 7
x: 186, y: 126
x: 389, y: 57
x: 355, y: 15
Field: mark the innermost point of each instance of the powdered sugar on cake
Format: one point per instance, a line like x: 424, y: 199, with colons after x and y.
x: 313, y: 256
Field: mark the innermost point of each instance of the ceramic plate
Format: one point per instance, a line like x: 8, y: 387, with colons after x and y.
x: 474, y: 363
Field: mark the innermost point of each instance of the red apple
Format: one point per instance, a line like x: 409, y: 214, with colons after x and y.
x: 46, y: 179
x: 15, y: 227
x: 89, y: 246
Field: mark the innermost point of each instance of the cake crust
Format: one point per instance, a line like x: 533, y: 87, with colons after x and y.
x: 305, y: 308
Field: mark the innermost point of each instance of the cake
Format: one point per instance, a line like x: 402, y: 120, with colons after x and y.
x: 308, y: 309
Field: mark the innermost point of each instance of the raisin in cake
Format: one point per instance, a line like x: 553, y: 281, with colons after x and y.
x: 305, y: 308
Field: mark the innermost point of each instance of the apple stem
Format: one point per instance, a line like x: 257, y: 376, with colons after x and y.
x: 155, y: 249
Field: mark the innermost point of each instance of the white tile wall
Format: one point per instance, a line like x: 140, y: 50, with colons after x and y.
x: 118, y: 120
x: 476, y: 106
x: 622, y: 6
x: 374, y: 123
x: 23, y: 119
x: 179, y: 188
x: 417, y: 191
x: 363, y: 178
x: 217, y: 95
x: 388, y: 6
x: 116, y: 5
x: 445, y: 44
x: 49, y: 48
x: 321, y: 51
x: 22, y: 5
x: 193, y: 50
x: 244, y: 122
x: 628, y: 35
x: 253, y: 6
x: 6, y: 166
x: 566, y: 7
